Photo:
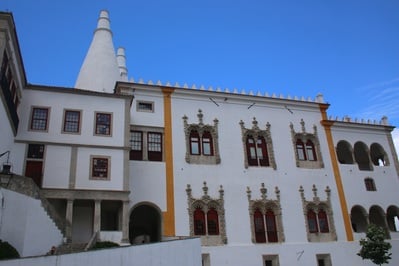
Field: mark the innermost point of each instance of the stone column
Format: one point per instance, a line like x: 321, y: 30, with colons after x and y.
x: 125, y: 222
x: 68, y: 218
x: 97, y: 216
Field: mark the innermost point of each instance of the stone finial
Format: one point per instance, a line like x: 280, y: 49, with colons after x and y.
x: 319, y: 98
x: 200, y: 117
x: 303, y: 125
x: 255, y: 124
x: 277, y: 191
x: 249, y: 193
x: 263, y: 191
x: 384, y: 121
x: 205, y: 189
x: 301, y: 191
x: 188, y: 190
x: 221, y: 192
x: 121, y: 58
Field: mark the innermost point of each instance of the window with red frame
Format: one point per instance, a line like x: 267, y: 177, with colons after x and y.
x: 154, y: 141
x: 39, y: 120
x: 194, y: 143
x: 212, y: 222
x: 310, y: 151
x: 257, y: 154
x: 199, y: 222
x: 103, y: 124
x: 323, y: 221
x: 207, y: 143
x: 312, y: 221
x: 259, y: 226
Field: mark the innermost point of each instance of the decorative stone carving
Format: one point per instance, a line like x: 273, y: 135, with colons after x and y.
x: 256, y: 132
x: 305, y: 136
x: 201, y: 128
x: 205, y: 203
x: 315, y: 205
x: 264, y: 204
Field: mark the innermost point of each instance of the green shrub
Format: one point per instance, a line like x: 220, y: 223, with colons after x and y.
x: 104, y: 244
x: 7, y: 251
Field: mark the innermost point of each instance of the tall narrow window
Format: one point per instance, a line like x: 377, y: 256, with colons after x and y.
x: 199, y: 222
x: 300, y: 149
x: 310, y: 151
x: 154, y: 146
x: 39, y: 120
x: 100, y: 168
x: 207, y: 144
x: 370, y: 185
x: 251, y: 151
x: 271, y: 226
x: 323, y: 221
x: 136, y: 142
x: 103, y: 124
x: 212, y: 222
x: 194, y: 143
x: 312, y: 221
x: 259, y: 224
x: 71, y: 121
x: 261, y: 151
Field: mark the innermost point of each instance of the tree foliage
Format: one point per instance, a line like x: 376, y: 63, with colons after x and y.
x: 374, y: 247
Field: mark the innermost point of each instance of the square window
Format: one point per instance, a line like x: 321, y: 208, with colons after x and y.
x: 35, y: 151
x: 100, y: 168
x: 323, y: 260
x: 103, y: 124
x: 39, y: 119
x: 270, y: 260
x: 145, y: 106
x: 71, y: 121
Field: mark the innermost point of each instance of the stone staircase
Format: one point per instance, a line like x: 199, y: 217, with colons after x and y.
x: 25, y: 185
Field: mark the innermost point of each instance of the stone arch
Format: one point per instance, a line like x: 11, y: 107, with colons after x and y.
x: 378, y: 155
x: 344, y: 152
x: 362, y: 156
x: 377, y: 217
x: 145, y: 223
x: 393, y: 218
x: 359, y: 219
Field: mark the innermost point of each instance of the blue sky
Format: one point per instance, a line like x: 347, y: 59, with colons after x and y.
x: 345, y: 49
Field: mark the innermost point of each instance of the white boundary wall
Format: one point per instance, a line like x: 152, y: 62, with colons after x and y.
x: 180, y: 252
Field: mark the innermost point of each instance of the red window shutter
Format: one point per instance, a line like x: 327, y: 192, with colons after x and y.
x: 271, y: 226
x: 312, y: 222
x: 213, y: 222
x: 259, y: 226
x: 323, y: 221
x: 262, y: 152
x: 251, y: 151
x: 199, y: 222
x: 194, y: 143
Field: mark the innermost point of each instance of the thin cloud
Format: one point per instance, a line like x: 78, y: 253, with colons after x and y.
x: 382, y: 99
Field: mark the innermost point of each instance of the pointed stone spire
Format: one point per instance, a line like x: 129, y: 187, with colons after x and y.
x: 121, y: 58
x: 100, y: 70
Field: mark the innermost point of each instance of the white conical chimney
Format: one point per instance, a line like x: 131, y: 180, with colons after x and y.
x: 120, y: 57
x: 100, y: 70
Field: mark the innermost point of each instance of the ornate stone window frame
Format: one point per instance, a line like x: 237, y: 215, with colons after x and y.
x: 315, y: 205
x: 305, y: 136
x: 206, y: 203
x: 201, y: 128
x: 263, y: 204
x: 255, y: 132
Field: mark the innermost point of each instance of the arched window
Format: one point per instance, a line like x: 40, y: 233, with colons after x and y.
x: 259, y: 224
x: 362, y: 156
x: 271, y: 226
x: 393, y: 218
x: 257, y: 152
x: 194, y: 143
x: 344, y: 152
x: 312, y: 221
x: 359, y: 219
x: 199, y: 222
x: 310, y: 151
x: 378, y: 155
x: 300, y: 150
x: 323, y: 221
x: 207, y: 143
x: 213, y: 222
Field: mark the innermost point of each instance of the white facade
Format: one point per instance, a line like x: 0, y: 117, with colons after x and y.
x: 258, y: 179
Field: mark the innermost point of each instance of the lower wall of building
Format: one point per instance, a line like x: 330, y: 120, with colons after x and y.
x: 25, y: 224
x: 301, y: 254
x: 171, y: 253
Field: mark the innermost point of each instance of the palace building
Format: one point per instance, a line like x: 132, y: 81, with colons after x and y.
x: 260, y: 179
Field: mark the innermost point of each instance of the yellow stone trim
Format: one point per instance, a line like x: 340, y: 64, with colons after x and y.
x: 334, y: 161
x: 169, y: 214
